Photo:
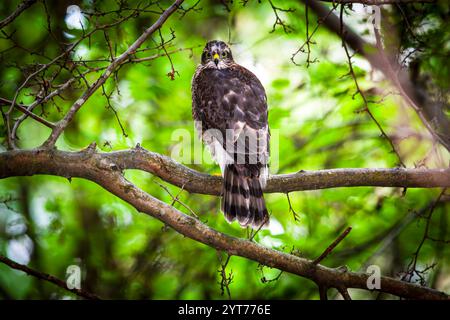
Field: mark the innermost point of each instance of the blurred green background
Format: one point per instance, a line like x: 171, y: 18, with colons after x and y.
x: 50, y: 223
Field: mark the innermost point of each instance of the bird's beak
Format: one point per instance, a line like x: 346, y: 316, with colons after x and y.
x: 216, y: 59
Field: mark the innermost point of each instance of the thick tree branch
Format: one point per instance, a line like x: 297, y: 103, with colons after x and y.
x: 104, y: 170
x: 47, y: 277
x: 72, y: 164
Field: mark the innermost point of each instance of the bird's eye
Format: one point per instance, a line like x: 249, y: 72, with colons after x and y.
x: 208, y: 54
x: 224, y: 54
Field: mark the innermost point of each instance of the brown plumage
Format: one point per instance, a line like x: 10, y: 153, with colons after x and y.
x: 229, y: 106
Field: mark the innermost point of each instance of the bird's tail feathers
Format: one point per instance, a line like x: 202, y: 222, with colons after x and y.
x: 243, y: 196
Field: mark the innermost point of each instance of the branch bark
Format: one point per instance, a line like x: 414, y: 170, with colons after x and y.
x: 72, y: 164
x: 104, y: 170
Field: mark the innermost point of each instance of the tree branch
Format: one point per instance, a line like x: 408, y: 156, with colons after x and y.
x: 22, y: 108
x: 428, y: 111
x: 47, y: 277
x: 333, y: 245
x: 323, y: 292
x: 72, y: 164
x: 62, y: 124
x: 20, y: 8
x: 344, y: 292
x: 106, y: 172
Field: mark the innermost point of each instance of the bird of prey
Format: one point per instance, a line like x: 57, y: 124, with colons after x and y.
x: 229, y: 107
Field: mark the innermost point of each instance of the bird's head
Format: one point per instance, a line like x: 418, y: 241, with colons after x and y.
x: 217, y: 55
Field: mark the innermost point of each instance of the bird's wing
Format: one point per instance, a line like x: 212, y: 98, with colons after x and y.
x: 245, y: 98
x: 231, y: 105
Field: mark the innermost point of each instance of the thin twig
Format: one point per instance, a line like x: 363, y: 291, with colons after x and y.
x: 110, y: 107
x: 278, y: 20
x: 361, y: 93
x: 176, y: 199
x: 62, y: 124
x: 20, y: 8
x: 23, y: 109
x: 253, y: 234
x: 47, y: 277
x: 412, y: 267
x: 309, y: 36
x: 291, y: 209
x: 225, y: 280
x: 332, y: 246
x: 263, y: 277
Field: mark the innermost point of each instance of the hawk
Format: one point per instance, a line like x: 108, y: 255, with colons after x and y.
x: 229, y: 107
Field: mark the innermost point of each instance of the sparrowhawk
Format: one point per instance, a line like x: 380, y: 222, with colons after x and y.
x: 229, y: 106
